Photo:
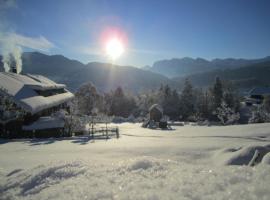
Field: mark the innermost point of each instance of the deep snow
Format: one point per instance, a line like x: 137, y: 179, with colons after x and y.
x: 188, y: 162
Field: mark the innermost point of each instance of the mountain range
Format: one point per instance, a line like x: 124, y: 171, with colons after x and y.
x: 243, y: 73
x: 181, y: 67
x: 247, y: 77
x: 104, y: 76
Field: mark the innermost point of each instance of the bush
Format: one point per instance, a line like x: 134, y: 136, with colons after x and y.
x: 227, y: 115
x: 259, y: 115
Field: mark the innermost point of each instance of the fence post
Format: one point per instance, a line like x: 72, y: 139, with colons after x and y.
x: 117, y: 132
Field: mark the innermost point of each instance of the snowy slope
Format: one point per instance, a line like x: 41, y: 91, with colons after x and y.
x: 188, y: 162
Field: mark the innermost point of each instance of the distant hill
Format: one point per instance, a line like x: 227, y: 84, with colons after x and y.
x: 245, y: 77
x: 180, y: 67
x: 105, y: 76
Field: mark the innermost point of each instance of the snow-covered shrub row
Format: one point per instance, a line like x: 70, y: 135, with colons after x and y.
x: 142, y: 178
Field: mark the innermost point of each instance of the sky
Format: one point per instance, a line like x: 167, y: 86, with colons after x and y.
x: 153, y: 29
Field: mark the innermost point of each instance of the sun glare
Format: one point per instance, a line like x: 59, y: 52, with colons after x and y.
x: 114, y: 48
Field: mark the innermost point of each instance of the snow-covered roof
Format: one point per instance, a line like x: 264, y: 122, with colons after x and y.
x: 45, y: 123
x: 22, y: 89
x: 156, y: 106
x: 260, y: 91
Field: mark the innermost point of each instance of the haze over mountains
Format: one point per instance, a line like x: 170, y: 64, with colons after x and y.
x: 257, y: 74
x: 180, y: 67
x: 244, y: 73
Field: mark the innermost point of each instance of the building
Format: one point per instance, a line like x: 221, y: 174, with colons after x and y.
x: 33, y: 100
x: 156, y: 113
x: 257, y: 95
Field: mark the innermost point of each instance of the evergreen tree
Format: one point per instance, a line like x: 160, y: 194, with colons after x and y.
x: 217, y: 93
x: 187, y: 107
x: 231, y: 97
x: 202, y: 104
x: 121, y: 104
x: 170, y: 103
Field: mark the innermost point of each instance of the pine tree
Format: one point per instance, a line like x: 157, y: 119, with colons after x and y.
x: 202, y: 104
x: 122, y: 105
x: 217, y: 93
x: 187, y: 107
x: 231, y: 97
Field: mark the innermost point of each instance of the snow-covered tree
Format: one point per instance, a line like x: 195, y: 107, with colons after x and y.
x: 169, y: 101
x: 227, y: 115
x: 187, y: 101
x: 121, y: 104
x: 88, y: 98
x: 259, y: 115
x: 231, y: 96
x: 217, y: 93
x: 202, y: 104
x: 266, y: 103
x: 73, y: 121
x: 8, y: 110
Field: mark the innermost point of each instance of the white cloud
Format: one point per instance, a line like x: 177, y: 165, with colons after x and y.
x: 38, y: 43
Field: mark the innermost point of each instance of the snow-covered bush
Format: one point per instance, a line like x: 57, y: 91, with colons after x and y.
x: 8, y: 110
x: 73, y: 121
x: 227, y: 115
x: 266, y: 103
x: 259, y: 115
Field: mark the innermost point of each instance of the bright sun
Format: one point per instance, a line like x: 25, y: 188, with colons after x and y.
x: 114, y: 48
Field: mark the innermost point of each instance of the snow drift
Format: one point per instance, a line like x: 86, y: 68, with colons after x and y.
x: 141, y: 178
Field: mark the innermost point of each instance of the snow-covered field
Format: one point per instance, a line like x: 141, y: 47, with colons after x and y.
x: 188, y: 162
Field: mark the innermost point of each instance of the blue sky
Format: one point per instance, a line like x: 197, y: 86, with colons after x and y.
x: 156, y: 29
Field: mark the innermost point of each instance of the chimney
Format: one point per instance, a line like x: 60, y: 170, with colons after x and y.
x: 13, y: 67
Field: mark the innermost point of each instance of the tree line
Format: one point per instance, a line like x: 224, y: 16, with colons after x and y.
x: 218, y: 102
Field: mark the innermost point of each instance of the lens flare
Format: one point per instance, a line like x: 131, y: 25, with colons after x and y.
x: 114, y: 48
x: 114, y: 42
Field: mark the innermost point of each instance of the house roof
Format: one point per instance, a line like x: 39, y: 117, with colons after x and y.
x: 156, y: 106
x: 260, y: 91
x: 22, y: 90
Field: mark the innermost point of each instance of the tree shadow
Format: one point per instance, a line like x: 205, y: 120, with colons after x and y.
x: 4, y: 141
x: 82, y: 139
x: 144, y: 136
x: 34, y: 142
x: 259, y: 138
x: 87, y: 140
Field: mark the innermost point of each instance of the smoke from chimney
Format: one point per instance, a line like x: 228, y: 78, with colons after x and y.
x: 12, y: 59
x: 11, y: 44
